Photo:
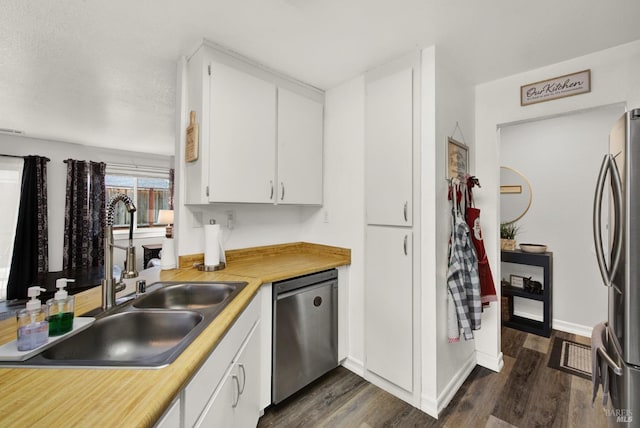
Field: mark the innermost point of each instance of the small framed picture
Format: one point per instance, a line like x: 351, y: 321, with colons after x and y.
x: 517, y: 281
x: 457, y: 159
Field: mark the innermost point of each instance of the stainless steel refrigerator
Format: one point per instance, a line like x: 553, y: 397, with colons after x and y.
x: 618, y: 253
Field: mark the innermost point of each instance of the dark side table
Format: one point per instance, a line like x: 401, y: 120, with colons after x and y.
x: 544, y: 260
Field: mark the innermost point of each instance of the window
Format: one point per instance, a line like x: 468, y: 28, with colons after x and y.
x: 10, y: 185
x: 149, y: 188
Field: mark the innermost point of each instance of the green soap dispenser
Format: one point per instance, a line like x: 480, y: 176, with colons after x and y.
x: 60, y: 309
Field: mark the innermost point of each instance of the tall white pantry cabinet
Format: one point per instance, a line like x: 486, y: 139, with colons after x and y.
x: 391, y: 317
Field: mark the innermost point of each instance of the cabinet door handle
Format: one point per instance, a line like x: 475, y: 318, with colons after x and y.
x: 237, y: 399
x: 406, y: 238
x: 406, y: 211
x: 282, y: 193
x: 271, y: 184
x: 244, y: 378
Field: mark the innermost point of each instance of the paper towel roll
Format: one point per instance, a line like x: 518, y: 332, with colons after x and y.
x: 211, y: 244
x: 168, y: 259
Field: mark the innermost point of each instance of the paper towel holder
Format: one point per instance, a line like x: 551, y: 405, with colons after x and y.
x: 211, y: 268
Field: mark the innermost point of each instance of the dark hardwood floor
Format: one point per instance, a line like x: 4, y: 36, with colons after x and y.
x: 526, y: 393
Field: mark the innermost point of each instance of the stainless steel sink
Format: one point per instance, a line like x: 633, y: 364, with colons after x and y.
x: 187, y: 296
x: 127, y: 337
x: 148, y: 332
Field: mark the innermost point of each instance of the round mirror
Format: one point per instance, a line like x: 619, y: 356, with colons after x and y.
x: 515, y: 195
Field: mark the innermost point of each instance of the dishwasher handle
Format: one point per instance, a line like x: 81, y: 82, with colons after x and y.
x: 304, y: 281
x: 307, y: 289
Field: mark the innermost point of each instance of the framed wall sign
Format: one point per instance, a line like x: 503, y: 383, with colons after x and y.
x: 558, y: 87
x: 457, y: 159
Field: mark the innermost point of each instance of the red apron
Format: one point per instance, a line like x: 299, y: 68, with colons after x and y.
x: 487, y: 288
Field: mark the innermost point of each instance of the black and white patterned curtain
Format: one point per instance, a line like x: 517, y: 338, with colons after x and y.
x: 172, y: 173
x: 84, y: 215
x: 30, y: 248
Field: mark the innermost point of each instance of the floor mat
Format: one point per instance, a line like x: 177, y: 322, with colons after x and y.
x: 571, y: 357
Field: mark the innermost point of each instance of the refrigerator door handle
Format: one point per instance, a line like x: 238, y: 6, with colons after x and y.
x: 616, y: 184
x: 608, y: 163
x: 597, y: 219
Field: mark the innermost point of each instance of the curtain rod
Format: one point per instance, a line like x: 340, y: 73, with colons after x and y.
x: 144, y: 169
x: 67, y: 161
x: 21, y: 157
x: 134, y: 166
x: 124, y: 166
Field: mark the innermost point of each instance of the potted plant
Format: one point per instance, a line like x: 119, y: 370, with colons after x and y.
x: 508, y: 232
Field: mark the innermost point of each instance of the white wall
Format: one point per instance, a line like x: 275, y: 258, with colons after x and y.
x: 253, y: 225
x: 431, y: 272
x: 446, y: 100
x: 614, y: 79
x: 344, y: 207
x: 57, y: 152
x: 560, y: 157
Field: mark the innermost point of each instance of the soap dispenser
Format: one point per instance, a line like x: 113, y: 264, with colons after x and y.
x: 33, y: 328
x: 60, y: 309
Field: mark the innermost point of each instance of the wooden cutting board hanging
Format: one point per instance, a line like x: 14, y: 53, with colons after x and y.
x: 191, y: 145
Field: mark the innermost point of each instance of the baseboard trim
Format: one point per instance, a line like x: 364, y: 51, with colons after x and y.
x: 556, y: 324
x: 570, y: 327
x: 429, y: 405
x: 356, y: 366
x: 490, y: 362
x: 455, y: 383
x: 391, y: 388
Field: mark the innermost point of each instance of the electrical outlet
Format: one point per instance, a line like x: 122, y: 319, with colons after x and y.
x: 326, y: 216
x: 231, y: 218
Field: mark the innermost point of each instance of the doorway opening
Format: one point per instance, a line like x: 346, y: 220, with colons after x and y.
x: 559, y: 157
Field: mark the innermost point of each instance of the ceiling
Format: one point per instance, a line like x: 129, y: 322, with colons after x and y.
x: 104, y: 72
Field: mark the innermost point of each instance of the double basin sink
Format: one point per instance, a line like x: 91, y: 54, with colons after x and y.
x: 150, y: 331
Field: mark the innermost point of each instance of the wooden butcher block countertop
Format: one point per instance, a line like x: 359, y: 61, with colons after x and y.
x: 138, y: 397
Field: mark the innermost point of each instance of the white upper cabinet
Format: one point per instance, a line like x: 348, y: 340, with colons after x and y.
x: 242, y: 120
x: 300, y: 156
x: 260, y: 133
x: 389, y: 148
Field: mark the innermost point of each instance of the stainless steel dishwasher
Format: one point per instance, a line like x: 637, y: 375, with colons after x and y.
x: 305, y: 331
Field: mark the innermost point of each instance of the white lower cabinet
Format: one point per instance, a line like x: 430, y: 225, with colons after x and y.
x: 235, y: 403
x: 389, y: 305
x: 226, y: 389
x: 172, y: 416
